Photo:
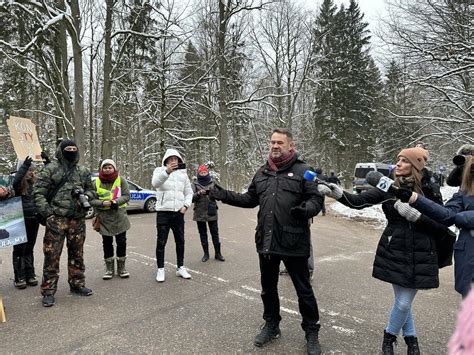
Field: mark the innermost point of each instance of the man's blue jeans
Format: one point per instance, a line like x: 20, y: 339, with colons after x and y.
x: 401, y: 317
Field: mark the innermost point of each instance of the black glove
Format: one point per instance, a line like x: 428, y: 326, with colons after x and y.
x: 299, y: 212
x: 217, y: 194
x: 45, y: 157
x: 403, y: 194
x: 27, y: 162
x: 114, y: 205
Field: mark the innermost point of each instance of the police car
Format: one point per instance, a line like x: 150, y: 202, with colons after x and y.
x: 140, y: 198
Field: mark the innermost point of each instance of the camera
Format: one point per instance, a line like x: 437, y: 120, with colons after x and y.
x: 459, y: 160
x: 181, y: 166
x: 78, y: 193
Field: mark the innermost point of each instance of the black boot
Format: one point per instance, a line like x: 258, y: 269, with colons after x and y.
x: 205, y: 257
x: 30, y: 275
x: 412, y: 346
x: 270, y: 331
x: 387, y: 345
x: 218, y: 256
x: 19, y: 272
x: 312, y: 343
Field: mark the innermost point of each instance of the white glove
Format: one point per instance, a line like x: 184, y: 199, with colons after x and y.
x: 405, y: 210
x: 335, y: 191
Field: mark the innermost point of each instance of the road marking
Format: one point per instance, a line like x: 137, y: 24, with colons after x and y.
x: 190, y: 270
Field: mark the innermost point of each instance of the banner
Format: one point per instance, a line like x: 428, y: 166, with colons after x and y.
x: 24, y: 138
x: 12, y: 223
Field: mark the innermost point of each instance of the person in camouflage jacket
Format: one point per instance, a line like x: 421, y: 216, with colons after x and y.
x: 59, y: 188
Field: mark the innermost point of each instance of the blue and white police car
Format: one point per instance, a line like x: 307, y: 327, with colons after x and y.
x: 140, y: 198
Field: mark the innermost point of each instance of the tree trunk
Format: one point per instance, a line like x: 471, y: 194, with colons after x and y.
x: 106, y: 150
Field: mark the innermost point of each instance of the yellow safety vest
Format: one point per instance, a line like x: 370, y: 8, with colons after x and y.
x: 106, y: 195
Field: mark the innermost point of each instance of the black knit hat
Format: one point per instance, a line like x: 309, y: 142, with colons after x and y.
x: 66, y: 143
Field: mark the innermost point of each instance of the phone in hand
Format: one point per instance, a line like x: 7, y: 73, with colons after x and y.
x: 181, y: 166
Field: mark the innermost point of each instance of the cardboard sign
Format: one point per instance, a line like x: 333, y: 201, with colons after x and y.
x: 24, y: 138
x: 12, y: 223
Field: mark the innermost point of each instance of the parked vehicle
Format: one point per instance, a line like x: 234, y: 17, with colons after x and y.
x: 140, y: 198
x: 360, y: 172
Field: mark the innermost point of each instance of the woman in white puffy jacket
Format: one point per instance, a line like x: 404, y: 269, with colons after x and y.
x: 173, y: 198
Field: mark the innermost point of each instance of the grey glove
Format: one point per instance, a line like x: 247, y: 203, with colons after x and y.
x: 406, y: 211
x: 335, y: 191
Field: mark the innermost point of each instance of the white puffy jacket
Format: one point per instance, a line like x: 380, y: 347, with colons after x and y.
x: 173, y: 190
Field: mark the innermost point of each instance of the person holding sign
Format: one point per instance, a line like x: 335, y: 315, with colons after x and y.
x: 23, y: 259
x: 407, y: 254
x: 62, y: 190
x: 113, y: 195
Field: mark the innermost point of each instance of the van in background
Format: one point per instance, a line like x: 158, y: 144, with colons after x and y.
x: 359, y: 183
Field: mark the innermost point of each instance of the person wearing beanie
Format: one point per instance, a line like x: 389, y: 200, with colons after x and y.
x: 205, y: 211
x: 23, y: 257
x: 397, y: 262
x: 110, y: 210
x: 62, y: 191
x: 174, y: 196
x: 455, y: 176
x: 458, y: 211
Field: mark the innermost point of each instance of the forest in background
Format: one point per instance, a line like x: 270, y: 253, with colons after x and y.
x: 128, y: 79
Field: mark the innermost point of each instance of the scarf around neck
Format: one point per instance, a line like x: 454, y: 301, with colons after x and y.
x: 277, y: 163
x: 204, y: 180
x: 108, y: 178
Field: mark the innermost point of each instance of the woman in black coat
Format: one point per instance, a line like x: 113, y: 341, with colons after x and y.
x: 406, y: 254
x: 205, y: 211
x: 23, y: 260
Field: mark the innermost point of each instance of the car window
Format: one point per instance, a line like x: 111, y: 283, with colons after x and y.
x: 362, y: 172
x: 132, y: 186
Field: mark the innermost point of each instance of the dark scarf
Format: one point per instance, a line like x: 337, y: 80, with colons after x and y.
x: 108, y: 178
x: 204, y: 180
x: 277, y: 163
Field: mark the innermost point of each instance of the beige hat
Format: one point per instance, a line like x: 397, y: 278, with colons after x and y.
x: 416, y: 156
x: 108, y: 162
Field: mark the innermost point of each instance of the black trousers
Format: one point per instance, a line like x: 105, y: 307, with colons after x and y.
x: 164, y: 222
x: 213, y: 228
x: 31, y: 226
x: 297, y: 268
x: 108, y: 244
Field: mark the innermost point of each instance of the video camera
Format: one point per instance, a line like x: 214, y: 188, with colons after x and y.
x: 78, y: 192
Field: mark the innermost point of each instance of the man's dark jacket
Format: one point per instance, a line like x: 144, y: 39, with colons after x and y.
x: 278, y: 232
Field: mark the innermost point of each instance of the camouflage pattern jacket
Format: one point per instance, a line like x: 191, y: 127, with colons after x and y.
x: 63, y: 202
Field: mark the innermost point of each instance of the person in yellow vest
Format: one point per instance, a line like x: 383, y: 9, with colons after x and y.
x: 112, y: 197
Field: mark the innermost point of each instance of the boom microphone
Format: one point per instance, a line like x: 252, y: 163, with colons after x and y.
x: 381, y: 182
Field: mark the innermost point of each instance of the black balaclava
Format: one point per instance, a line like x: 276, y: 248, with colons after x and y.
x: 69, y: 156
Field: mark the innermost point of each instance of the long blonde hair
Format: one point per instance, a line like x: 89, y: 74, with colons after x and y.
x: 467, y: 182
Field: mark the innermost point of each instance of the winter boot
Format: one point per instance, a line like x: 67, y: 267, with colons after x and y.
x: 30, y: 275
x: 270, y: 331
x: 387, y: 345
x: 123, y: 273
x: 109, y: 268
x: 218, y: 255
x: 412, y: 346
x: 205, y: 257
x: 19, y: 272
x: 312, y: 343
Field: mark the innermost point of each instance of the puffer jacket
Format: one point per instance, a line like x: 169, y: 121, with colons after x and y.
x: 173, y: 190
x: 278, y: 232
x: 406, y: 253
x: 28, y: 198
x: 113, y: 221
x: 459, y: 210
x: 63, y: 203
x: 203, y: 203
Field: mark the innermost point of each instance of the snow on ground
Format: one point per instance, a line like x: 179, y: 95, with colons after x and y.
x: 374, y: 215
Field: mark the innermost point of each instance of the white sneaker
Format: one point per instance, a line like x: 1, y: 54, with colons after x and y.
x: 160, y: 275
x: 182, y: 272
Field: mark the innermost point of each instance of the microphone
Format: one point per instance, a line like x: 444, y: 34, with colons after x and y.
x: 312, y: 176
x: 381, y: 182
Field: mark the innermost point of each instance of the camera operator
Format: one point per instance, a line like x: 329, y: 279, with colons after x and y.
x: 455, y: 176
x: 62, y: 190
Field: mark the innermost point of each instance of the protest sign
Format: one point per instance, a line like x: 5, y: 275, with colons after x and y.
x: 12, y: 223
x: 24, y: 138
